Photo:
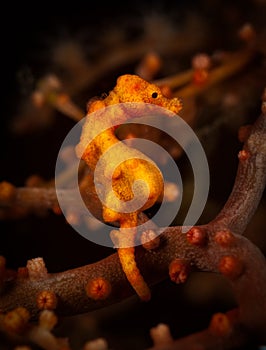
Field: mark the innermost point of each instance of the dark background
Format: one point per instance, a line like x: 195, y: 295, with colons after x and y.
x: 28, y: 33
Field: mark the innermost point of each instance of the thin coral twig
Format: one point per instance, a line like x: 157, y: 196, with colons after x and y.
x: 251, y: 178
x: 182, y: 83
x: 175, y: 81
x: 232, y: 66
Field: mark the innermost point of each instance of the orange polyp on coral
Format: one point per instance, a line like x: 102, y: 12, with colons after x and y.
x: 201, y: 64
x: 224, y: 238
x: 149, y: 240
x: 231, y: 267
x: 98, y: 288
x: 149, y: 66
x: 179, y: 270
x: 197, y: 236
x: 7, y: 192
x: 46, y: 299
x: 47, y: 319
x: 137, y: 166
x: 16, y: 320
x: 243, y: 155
x: 220, y: 325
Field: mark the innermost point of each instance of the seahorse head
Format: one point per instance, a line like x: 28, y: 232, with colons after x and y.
x: 132, y: 88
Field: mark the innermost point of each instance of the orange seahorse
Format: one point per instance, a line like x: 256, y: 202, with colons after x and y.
x: 137, y: 166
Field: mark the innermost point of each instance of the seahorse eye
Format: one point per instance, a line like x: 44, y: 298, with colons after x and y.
x: 154, y: 95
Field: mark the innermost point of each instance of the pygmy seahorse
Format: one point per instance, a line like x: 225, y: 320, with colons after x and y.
x: 137, y: 166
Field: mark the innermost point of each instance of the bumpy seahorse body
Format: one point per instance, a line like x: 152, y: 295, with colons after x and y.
x: 125, y: 176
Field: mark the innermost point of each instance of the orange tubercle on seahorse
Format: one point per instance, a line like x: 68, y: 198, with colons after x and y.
x: 137, y: 166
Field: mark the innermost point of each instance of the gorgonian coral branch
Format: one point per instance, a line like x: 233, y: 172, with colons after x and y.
x: 250, y: 180
x: 212, y: 247
x: 244, y: 266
